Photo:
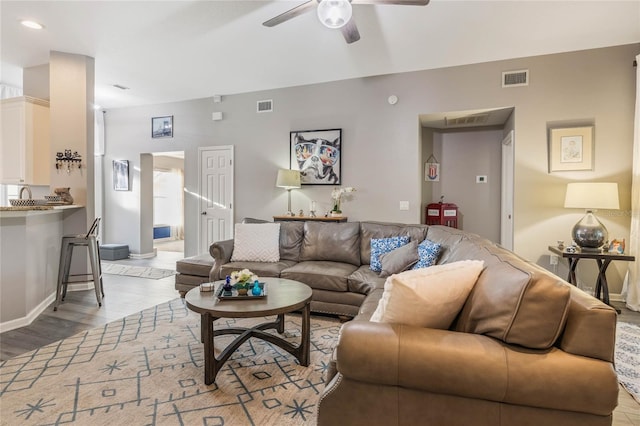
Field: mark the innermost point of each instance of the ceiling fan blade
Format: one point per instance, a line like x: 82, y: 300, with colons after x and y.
x: 350, y: 31
x: 397, y: 2
x: 292, y: 13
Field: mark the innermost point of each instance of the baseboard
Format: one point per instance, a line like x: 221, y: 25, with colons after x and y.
x: 30, y: 317
x: 616, y: 297
x: 144, y: 255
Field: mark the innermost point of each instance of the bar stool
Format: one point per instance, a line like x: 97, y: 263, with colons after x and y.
x: 69, y: 242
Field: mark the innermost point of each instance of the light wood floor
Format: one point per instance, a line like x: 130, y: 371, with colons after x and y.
x: 128, y: 295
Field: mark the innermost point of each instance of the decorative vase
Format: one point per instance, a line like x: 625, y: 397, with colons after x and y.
x: 335, y: 213
x: 243, y: 291
x: 256, y: 290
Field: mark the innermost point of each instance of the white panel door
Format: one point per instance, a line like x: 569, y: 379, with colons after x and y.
x: 216, y: 195
x: 506, y: 209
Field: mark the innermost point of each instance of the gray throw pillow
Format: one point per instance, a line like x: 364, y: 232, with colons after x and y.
x: 399, y: 259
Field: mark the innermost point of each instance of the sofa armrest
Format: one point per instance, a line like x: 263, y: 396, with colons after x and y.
x: 221, y: 252
x: 474, y: 366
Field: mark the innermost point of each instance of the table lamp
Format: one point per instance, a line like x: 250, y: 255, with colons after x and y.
x: 288, y: 179
x: 589, y: 233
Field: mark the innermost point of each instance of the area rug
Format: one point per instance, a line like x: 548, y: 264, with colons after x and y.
x: 136, y: 271
x: 628, y: 357
x: 147, y: 369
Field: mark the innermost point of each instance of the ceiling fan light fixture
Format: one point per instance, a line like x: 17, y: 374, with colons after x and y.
x: 334, y: 13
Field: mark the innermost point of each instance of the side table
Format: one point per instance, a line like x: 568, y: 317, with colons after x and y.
x: 602, y: 258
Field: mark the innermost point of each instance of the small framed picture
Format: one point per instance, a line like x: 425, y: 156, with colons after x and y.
x: 571, y: 149
x: 162, y: 127
x: 121, y: 175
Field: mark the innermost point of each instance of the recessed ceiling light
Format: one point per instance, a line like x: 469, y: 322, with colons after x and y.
x: 32, y: 24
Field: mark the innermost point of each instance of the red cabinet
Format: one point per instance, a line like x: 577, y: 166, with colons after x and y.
x: 442, y: 214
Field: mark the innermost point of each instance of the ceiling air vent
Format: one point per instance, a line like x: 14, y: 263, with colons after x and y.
x: 265, y: 106
x: 467, y: 120
x: 515, y: 78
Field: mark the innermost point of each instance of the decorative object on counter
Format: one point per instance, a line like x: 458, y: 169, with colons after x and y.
x: 162, y: 127
x: 589, y: 233
x: 27, y: 202
x: 121, y: 175
x: 336, y: 198
x: 617, y: 246
x: 560, y: 244
x: 432, y: 169
x: 312, y: 209
x: 316, y: 153
x: 68, y: 160
x: 301, y: 213
x: 288, y: 179
x: 64, y: 194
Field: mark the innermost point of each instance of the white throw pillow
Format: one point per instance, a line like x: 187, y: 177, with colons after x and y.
x: 428, y: 297
x: 256, y: 242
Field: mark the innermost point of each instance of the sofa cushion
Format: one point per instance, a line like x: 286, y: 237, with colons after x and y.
x: 380, y: 246
x: 427, y: 253
x: 363, y: 280
x: 337, y: 242
x: 516, y: 302
x: 261, y: 269
x: 399, y: 260
x: 324, y: 275
x: 291, y: 235
x: 427, y: 297
x: 195, y: 265
x: 369, y: 230
x: 256, y: 242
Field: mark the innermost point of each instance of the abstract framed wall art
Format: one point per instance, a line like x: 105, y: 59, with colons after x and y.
x: 162, y: 127
x: 318, y: 156
x: 121, y: 175
x: 571, y: 149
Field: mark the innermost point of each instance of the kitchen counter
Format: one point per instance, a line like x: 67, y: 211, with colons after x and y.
x: 14, y: 211
x: 30, y: 253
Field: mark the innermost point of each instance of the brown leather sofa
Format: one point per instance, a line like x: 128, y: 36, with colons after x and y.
x: 332, y: 258
x: 527, y: 348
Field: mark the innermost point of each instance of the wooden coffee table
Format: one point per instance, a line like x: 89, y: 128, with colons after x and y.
x: 283, y: 296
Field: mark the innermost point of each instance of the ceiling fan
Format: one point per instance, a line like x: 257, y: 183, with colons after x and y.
x: 337, y: 14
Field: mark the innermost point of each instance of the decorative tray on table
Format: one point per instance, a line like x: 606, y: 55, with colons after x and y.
x: 233, y: 294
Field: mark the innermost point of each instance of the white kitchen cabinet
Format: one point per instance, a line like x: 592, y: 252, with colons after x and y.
x: 25, y: 145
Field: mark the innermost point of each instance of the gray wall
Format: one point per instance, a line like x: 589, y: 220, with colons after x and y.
x: 382, y: 152
x: 466, y: 155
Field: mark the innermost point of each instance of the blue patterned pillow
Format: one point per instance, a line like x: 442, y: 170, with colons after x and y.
x: 380, y: 246
x: 428, y: 252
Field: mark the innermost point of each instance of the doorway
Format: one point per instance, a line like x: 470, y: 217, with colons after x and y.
x: 216, y: 217
x: 168, y: 201
x: 468, y: 147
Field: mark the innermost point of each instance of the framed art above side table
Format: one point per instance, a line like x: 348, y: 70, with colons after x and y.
x: 571, y: 149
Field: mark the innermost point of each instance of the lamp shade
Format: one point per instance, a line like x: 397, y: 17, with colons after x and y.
x: 592, y: 195
x: 288, y: 179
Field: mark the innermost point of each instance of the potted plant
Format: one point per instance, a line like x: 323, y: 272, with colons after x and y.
x: 243, y: 280
x: 336, y: 198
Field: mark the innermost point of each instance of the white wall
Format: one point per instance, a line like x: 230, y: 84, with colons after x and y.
x: 382, y: 154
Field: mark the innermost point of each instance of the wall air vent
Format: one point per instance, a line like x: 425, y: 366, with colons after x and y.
x: 467, y: 120
x: 515, y: 78
x: 120, y: 86
x: 265, y: 106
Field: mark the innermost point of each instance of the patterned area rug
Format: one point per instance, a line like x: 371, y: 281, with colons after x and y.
x: 147, y: 369
x: 628, y: 357
x: 136, y: 271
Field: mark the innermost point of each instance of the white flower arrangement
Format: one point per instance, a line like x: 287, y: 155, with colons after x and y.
x: 244, y: 276
x: 336, y: 197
